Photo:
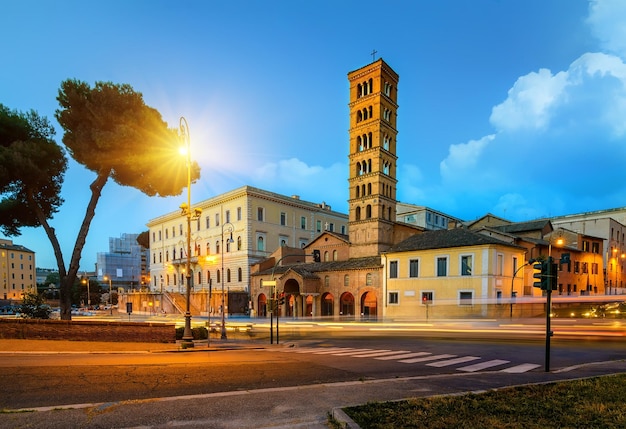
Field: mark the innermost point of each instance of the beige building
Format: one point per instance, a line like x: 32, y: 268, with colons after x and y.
x: 17, y: 270
x: 450, y: 272
x: 234, y: 230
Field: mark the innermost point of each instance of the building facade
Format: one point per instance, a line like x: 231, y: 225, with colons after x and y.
x: 234, y: 230
x: 18, y: 274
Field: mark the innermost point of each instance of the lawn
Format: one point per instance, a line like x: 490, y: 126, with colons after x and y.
x: 590, y: 403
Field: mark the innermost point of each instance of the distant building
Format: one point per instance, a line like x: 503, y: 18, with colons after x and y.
x: 124, y: 265
x: 425, y: 217
x: 17, y: 270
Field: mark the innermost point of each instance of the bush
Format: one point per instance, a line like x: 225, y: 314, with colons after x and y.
x: 199, y: 333
x: 34, y: 306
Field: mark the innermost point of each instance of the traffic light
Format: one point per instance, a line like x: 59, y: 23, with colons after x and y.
x: 316, y: 256
x: 542, y: 275
x: 281, y: 299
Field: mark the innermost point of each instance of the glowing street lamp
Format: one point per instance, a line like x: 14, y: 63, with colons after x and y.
x: 110, y: 296
x: 187, y: 341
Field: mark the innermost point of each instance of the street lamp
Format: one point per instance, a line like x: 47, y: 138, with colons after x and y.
x: 186, y: 209
x: 86, y: 281
x: 110, y: 297
x: 230, y: 240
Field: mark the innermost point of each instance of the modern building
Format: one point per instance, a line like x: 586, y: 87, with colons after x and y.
x: 17, y: 271
x: 232, y: 231
x: 124, y: 265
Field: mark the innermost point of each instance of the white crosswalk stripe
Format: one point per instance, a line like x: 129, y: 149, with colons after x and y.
x: 521, y: 368
x: 426, y: 358
x: 408, y: 357
x: 449, y: 362
x: 484, y: 365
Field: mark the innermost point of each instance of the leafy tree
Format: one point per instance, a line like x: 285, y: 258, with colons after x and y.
x: 34, y: 306
x: 111, y: 132
x: 143, y: 239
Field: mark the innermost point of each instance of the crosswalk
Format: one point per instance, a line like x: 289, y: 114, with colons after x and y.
x: 426, y: 358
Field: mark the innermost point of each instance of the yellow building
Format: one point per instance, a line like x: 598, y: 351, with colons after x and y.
x: 448, y: 273
x: 17, y: 270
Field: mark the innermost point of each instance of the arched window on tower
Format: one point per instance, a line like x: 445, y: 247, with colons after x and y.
x: 369, y: 189
x: 368, y: 212
x: 384, y: 211
x: 358, y: 191
x: 358, y: 169
x: 370, y: 85
x: 357, y: 213
x: 369, y: 165
x: 359, y: 91
x: 369, y: 140
x: 370, y: 111
x: 359, y: 116
x: 359, y: 143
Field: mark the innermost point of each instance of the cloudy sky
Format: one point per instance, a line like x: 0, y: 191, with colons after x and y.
x: 510, y: 107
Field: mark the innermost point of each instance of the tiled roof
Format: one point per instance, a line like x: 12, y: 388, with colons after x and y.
x: 458, y: 237
x: 305, y: 270
x: 535, y: 225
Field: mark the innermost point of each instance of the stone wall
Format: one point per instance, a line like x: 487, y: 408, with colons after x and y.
x: 87, y: 331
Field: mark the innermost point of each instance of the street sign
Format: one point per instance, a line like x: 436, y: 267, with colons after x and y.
x: 268, y: 283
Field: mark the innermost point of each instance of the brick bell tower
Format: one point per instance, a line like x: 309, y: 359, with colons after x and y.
x: 372, y: 177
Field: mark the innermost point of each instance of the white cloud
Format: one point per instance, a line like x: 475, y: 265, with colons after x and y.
x: 530, y: 101
x: 606, y: 19
x: 463, y: 157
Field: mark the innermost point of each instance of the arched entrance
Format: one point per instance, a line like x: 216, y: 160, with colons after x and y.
x: 262, y: 306
x: 328, y: 302
x: 309, y: 306
x: 346, y: 305
x: 368, y: 305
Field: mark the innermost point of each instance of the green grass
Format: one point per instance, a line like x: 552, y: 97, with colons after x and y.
x: 590, y: 403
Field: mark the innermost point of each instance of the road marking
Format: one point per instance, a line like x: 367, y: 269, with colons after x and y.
x: 404, y: 356
x: 333, y: 350
x: 453, y: 361
x: 382, y: 353
x: 483, y: 365
x: 427, y: 358
x: 353, y: 352
x: 521, y: 368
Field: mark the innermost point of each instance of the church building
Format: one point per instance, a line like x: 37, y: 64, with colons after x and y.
x: 347, y: 280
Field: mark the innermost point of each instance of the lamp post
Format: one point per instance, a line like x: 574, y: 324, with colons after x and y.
x: 86, y: 281
x: 230, y: 240
x: 110, y: 296
x: 184, y: 133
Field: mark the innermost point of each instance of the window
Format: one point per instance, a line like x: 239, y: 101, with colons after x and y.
x: 239, y: 274
x: 238, y: 243
x: 331, y: 227
x: 393, y: 298
x: 227, y: 216
x: 393, y: 269
x: 368, y: 279
x: 318, y: 226
x: 217, y: 219
x: 303, y: 222
x: 326, y: 281
x: 465, y: 298
x: 208, y: 222
x: 346, y: 280
x: 260, y: 214
x: 260, y: 243
x: 466, y: 265
x: 283, y: 218
x: 500, y: 264
x: 414, y: 268
x: 595, y: 247
x: 442, y: 266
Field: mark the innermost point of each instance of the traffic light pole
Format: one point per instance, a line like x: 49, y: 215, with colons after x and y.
x: 548, y: 330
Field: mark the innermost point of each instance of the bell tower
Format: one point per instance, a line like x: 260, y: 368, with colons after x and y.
x: 372, y: 160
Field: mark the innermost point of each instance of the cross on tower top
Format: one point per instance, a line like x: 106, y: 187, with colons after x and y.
x: 373, y: 54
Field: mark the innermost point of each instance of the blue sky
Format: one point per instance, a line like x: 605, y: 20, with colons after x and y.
x: 510, y: 107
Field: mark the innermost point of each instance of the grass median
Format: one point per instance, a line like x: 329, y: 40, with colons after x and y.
x: 590, y: 403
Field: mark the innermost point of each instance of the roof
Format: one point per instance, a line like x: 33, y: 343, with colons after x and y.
x: 447, y: 238
x: 308, y: 270
x: 535, y: 225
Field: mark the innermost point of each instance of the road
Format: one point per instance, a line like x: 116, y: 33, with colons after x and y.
x: 225, y: 388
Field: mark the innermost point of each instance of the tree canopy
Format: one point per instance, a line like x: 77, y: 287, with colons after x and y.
x: 111, y: 132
